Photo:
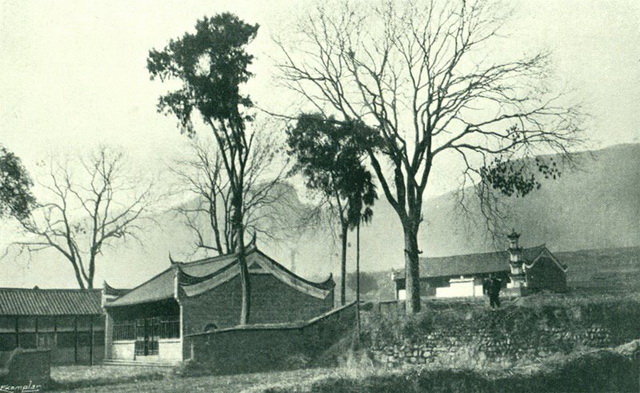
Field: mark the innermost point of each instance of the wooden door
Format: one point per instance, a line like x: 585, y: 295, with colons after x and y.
x: 147, y: 335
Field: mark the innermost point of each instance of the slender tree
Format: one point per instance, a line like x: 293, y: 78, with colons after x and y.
x: 331, y: 160
x: 208, y: 216
x: 212, y: 64
x: 16, y: 199
x: 418, y: 73
x: 82, y: 213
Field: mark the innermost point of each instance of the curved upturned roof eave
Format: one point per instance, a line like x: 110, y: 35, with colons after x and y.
x: 193, y: 285
x: 162, y: 285
x: 327, y: 284
x: 112, y: 291
x: 159, y: 291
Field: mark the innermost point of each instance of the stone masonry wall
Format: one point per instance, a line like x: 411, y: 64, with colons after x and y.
x: 483, y: 342
x: 514, y: 332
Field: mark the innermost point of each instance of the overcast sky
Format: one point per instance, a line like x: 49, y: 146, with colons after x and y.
x: 73, y: 73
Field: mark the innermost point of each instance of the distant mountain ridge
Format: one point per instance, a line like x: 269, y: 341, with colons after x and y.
x: 595, y: 207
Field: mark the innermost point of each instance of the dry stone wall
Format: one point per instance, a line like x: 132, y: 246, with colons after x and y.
x: 482, y: 334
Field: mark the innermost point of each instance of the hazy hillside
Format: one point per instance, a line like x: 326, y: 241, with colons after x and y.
x: 596, y: 207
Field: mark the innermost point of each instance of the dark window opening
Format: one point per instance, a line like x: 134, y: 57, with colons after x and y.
x: 170, y: 328
x: 124, y: 330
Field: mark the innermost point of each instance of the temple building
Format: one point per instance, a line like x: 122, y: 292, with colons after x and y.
x: 522, y: 270
x: 153, y: 322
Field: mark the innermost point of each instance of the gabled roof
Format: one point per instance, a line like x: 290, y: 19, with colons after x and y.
x: 50, y: 302
x: 200, y: 276
x: 546, y: 252
x: 160, y: 287
x: 461, y: 265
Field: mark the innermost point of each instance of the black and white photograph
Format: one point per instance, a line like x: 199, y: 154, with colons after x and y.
x: 320, y: 196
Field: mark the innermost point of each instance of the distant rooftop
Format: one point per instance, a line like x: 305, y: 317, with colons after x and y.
x: 460, y: 265
x: 50, y: 302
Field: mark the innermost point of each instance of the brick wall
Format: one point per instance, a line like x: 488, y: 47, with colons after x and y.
x: 262, y: 348
x: 272, y: 301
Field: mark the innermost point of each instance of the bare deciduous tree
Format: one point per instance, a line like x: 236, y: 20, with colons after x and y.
x: 209, y: 215
x: 85, y: 212
x: 422, y: 75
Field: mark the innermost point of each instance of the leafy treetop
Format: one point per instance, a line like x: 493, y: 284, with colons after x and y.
x: 16, y: 198
x: 212, y: 63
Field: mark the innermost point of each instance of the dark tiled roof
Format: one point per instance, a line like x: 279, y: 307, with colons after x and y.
x: 459, y: 265
x: 159, y: 287
x: 162, y: 286
x: 19, y: 301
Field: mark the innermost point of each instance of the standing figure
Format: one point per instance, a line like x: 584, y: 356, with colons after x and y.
x: 493, y: 288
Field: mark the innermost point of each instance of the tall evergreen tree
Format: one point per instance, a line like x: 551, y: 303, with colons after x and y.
x: 212, y: 64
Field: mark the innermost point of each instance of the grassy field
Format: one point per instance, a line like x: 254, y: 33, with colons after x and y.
x: 66, y: 378
x: 592, y: 371
x: 136, y: 379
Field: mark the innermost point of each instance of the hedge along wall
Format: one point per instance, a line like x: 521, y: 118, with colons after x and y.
x: 270, y: 347
x: 530, y: 329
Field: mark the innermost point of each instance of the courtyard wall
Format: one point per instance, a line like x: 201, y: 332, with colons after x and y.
x: 270, y: 347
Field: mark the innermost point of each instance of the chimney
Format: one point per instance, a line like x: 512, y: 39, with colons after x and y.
x: 293, y: 259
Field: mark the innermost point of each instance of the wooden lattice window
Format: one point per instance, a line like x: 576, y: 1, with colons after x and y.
x: 170, y: 328
x: 124, y: 330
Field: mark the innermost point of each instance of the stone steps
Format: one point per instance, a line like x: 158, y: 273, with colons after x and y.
x: 141, y: 363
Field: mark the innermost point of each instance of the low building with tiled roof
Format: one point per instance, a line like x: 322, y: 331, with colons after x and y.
x: 153, y: 321
x: 70, y: 322
x: 520, y: 269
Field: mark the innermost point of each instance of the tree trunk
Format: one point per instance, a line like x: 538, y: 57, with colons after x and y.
x: 358, y: 279
x: 245, y: 312
x: 412, y: 268
x: 343, y: 266
x: 76, y: 270
x: 92, y: 272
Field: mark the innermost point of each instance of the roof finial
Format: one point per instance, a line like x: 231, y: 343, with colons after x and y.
x: 513, y: 234
x: 171, y: 259
x: 254, y: 238
x: 513, y: 240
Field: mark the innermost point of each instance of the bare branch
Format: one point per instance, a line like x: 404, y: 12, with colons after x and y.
x: 87, y: 211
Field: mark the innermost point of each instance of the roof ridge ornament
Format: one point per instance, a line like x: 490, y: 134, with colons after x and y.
x: 254, y: 239
x: 171, y: 260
